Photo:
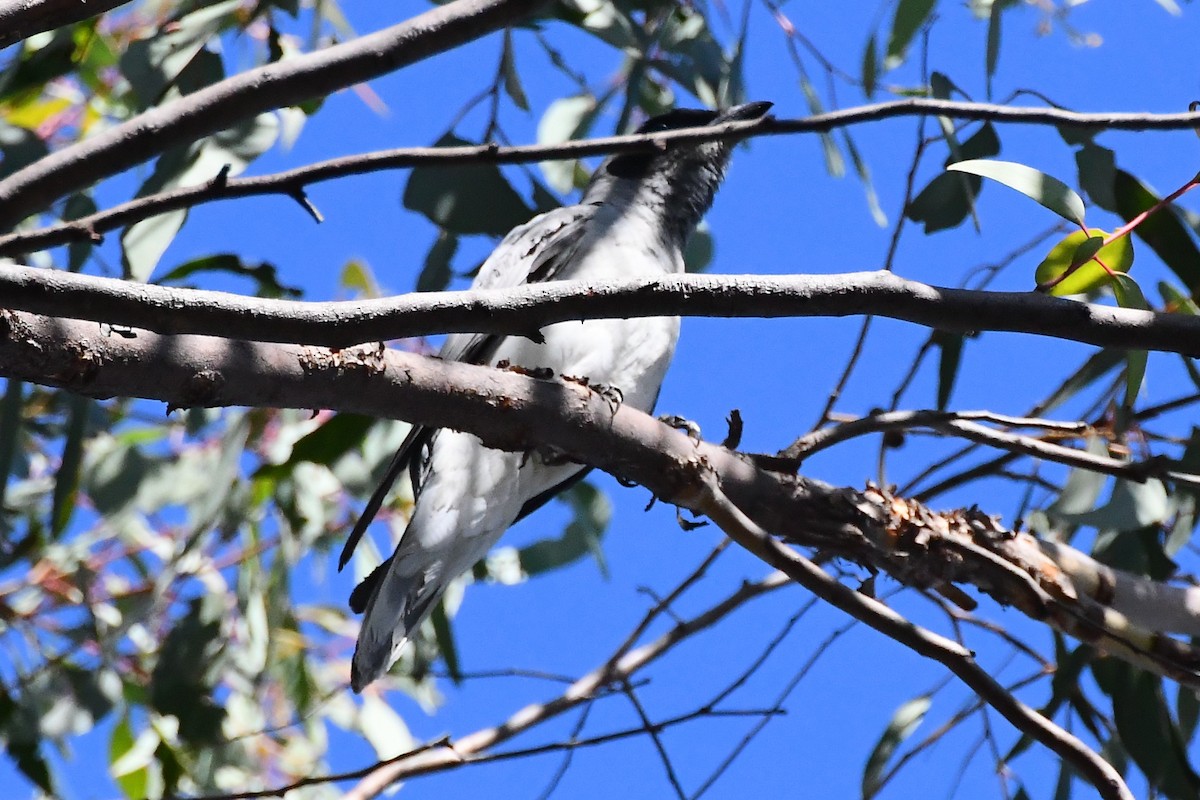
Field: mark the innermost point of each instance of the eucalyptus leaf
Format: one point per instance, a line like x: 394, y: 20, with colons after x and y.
x: 903, y: 724
x: 910, y: 16
x: 1035, y: 184
x: 565, y: 119
x: 582, y: 536
x: 1162, y: 231
x: 465, y: 198
x: 1129, y: 295
x: 1081, y: 263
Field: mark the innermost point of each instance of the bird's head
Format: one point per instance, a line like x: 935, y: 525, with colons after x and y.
x: 678, y: 182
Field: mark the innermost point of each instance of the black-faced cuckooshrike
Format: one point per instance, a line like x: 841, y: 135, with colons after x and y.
x: 634, y: 220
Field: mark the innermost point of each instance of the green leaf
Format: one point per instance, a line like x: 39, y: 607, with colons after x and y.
x: 1129, y: 295
x: 40, y: 62
x: 78, y: 205
x: 357, y: 278
x: 903, y: 724
x: 950, y: 346
x: 698, y: 254
x: 155, y: 64
x: 264, y: 274
x: 337, y: 436
x: 1187, y: 497
x: 444, y: 634
x: 605, y: 19
x: 10, y: 431
x: 383, y: 727
x: 226, y: 152
x: 66, y: 482
x: 1187, y: 709
x: 1097, y: 173
x: 1163, y: 231
x: 1074, y: 254
x: 129, y: 767
x: 467, y: 198
x: 583, y: 535
x: 144, y: 243
x: 1146, y: 729
x: 436, y: 273
x: 834, y: 165
x: 948, y: 199
x: 1083, y: 486
x: 1176, y: 301
x: 863, y: 170
x: 181, y: 683
x: 565, y: 119
x: 512, y: 80
x: 28, y: 758
x: 113, y: 473
x: 1095, y: 367
x: 1045, y: 189
x: 20, y: 148
x: 910, y: 16
x: 870, y: 66
x: 1131, y: 506
x: 992, y: 52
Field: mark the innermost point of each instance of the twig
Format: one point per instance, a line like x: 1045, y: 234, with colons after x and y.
x: 31, y: 189
x: 383, y: 775
x: 956, y: 658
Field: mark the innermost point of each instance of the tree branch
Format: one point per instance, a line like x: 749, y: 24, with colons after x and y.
x: 963, y: 424
x: 292, y: 182
x: 581, y: 691
x: 284, y: 83
x: 512, y: 411
x: 20, y: 19
x: 524, y: 309
x: 952, y: 655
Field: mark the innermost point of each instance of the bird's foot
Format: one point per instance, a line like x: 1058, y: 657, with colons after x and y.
x: 537, y: 373
x: 612, y: 394
x: 682, y: 424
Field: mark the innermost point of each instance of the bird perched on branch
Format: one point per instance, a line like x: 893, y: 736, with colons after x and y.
x: 635, y: 219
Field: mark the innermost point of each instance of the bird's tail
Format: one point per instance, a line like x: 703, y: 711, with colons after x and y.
x: 395, y: 606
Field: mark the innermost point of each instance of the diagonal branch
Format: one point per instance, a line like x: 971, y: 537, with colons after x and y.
x: 524, y: 309
x: 31, y: 189
x: 952, y: 655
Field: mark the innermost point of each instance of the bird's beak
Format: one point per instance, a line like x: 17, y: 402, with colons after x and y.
x: 746, y: 111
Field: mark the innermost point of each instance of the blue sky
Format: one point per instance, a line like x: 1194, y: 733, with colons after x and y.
x: 778, y: 213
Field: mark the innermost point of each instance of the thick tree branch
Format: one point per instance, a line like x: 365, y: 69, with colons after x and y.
x: 20, y: 19
x: 511, y: 411
x: 525, y: 309
x: 292, y: 182
x: 284, y: 83
x: 919, y: 547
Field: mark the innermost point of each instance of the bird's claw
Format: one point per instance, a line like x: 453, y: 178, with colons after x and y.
x: 612, y: 394
x: 682, y: 424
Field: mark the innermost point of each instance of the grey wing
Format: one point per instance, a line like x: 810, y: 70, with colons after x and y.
x: 531, y: 253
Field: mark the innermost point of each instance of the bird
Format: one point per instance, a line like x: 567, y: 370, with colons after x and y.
x: 634, y: 220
